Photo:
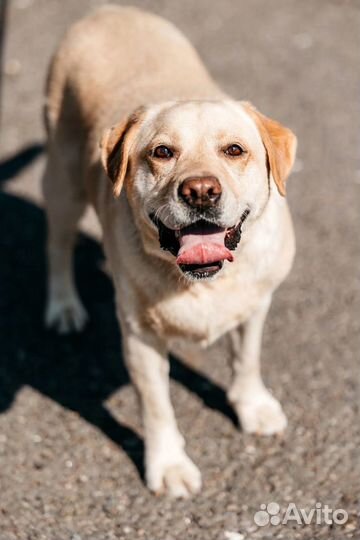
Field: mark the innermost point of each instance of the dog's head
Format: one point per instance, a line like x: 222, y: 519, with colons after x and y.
x: 194, y: 172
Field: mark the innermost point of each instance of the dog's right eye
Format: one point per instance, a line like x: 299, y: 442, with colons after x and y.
x: 163, y: 152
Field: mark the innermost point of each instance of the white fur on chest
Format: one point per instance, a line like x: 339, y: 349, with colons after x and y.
x: 208, y: 310
x: 203, y: 312
x: 204, y: 315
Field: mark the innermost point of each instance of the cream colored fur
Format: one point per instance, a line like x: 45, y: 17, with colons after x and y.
x: 108, y: 65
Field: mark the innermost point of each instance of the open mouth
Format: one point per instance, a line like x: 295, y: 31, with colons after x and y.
x: 202, y: 247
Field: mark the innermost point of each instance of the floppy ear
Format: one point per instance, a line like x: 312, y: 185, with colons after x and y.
x: 116, y: 144
x: 280, y: 145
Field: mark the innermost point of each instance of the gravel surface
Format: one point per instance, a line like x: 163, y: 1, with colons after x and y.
x: 71, y: 448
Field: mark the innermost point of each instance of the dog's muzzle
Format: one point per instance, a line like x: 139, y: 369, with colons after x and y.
x: 201, y: 247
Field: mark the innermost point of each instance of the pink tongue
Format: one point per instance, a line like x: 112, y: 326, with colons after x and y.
x: 202, y: 246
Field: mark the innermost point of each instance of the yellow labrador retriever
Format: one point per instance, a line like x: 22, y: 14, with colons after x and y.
x: 195, y: 224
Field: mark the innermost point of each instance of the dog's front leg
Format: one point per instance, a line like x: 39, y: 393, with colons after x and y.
x: 168, y: 468
x: 258, y: 411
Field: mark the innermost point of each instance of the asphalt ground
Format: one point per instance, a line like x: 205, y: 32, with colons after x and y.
x: 71, y: 452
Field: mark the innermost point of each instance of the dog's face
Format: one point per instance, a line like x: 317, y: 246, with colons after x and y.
x: 194, y: 171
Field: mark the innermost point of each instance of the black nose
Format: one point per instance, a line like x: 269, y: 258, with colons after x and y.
x: 200, y: 192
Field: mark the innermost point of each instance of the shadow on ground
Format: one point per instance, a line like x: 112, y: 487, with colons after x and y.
x: 80, y: 371
x: 11, y: 166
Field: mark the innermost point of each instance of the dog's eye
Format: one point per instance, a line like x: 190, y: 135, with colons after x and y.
x: 234, y: 150
x: 163, y: 152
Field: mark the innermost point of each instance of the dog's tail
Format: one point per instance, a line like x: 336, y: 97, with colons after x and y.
x: 54, y: 91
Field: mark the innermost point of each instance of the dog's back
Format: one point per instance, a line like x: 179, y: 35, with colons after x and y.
x: 124, y: 53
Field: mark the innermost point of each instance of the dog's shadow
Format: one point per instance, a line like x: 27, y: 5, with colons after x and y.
x: 80, y: 371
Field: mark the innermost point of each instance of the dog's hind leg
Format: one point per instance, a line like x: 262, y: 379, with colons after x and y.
x: 65, y: 202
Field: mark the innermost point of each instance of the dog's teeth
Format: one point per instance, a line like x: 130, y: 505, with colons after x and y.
x: 177, y: 233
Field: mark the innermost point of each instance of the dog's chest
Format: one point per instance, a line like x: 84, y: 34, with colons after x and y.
x: 206, y: 312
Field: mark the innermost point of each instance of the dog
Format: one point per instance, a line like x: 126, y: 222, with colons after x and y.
x: 189, y: 187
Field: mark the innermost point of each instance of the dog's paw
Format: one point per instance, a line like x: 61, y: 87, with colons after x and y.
x: 177, y: 477
x: 66, y: 315
x: 261, y: 414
